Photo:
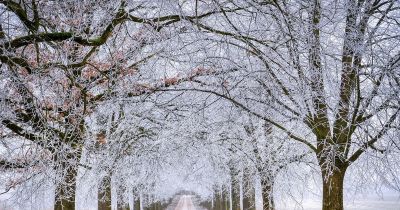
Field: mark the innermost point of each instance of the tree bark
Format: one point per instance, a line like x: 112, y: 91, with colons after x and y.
x: 235, y: 193
x: 218, y: 201
x: 136, y: 202
x: 332, y: 197
x: 65, y: 191
x: 267, y: 194
x: 104, y: 194
x: 121, y: 204
x: 225, y: 196
x: 248, y: 195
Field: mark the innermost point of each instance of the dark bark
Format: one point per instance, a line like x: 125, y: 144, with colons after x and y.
x: 248, y: 194
x: 154, y: 205
x: 206, y: 204
x: 235, y: 191
x: 68, y: 169
x: 121, y: 203
x: 267, y: 194
x: 104, y: 194
x: 136, y: 202
x: 235, y: 196
x: 225, y: 196
x: 248, y: 203
x: 65, y: 191
x: 221, y: 197
x: 332, y: 197
x: 218, y: 201
x: 122, y: 206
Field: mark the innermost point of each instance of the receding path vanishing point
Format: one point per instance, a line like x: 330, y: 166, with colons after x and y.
x: 184, y: 202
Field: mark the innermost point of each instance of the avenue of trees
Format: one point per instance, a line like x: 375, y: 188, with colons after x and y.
x: 115, y: 98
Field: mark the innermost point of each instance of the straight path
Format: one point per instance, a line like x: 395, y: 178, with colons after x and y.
x: 185, y: 203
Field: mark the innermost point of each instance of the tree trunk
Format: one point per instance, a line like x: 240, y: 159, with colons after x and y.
x: 248, y: 195
x: 65, y: 191
x: 248, y: 203
x: 136, y: 202
x: 226, y: 196
x: 218, y: 200
x: 104, y: 194
x: 121, y: 204
x: 267, y: 194
x: 235, y: 193
x: 332, y: 197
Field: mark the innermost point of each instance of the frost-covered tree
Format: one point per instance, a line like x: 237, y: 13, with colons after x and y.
x: 59, y: 61
x: 328, y: 70
x: 114, y: 89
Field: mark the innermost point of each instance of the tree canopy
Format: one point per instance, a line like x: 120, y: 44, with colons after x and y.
x: 229, y: 98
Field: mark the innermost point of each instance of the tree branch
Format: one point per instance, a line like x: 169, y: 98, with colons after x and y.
x: 373, y: 140
x: 245, y: 108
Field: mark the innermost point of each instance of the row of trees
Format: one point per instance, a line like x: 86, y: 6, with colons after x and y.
x: 63, y: 63
x: 325, y: 74
x: 109, y: 94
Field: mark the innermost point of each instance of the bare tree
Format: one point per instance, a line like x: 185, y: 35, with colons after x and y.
x: 328, y: 69
x: 324, y: 74
x: 59, y: 61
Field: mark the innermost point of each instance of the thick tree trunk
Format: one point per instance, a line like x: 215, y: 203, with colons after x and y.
x: 267, y: 194
x: 248, y: 203
x: 332, y: 198
x: 65, y: 191
x: 104, y: 194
